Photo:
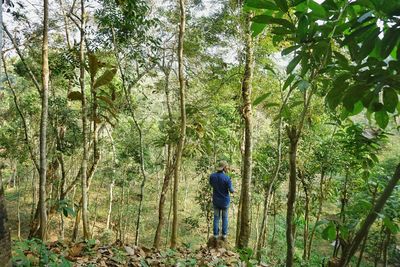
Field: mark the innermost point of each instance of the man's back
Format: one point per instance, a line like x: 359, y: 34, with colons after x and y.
x: 222, y: 185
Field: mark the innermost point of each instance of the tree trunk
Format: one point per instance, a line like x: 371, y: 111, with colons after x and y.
x: 164, y: 191
x: 320, y: 200
x: 43, y: 123
x: 168, y: 170
x: 5, y: 239
x: 182, y: 136
x: 306, y: 214
x: 371, y: 217
x: 245, y: 225
x: 84, y: 186
x: 292, y: 134
x: 268, y: 192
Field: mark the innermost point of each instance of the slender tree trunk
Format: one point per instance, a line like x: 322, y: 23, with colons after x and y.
x: 386, y: 248
x: 292, y: 133
x: 371, y: 217
x: 5, y: 239
x: 168, y: 170
x: 182, y: 136
x: 306, y: 215
x: 43, y: 123
x: 84, y: 186
x: 245, y: 225
x: 320, y: 200
x: 268, y: 192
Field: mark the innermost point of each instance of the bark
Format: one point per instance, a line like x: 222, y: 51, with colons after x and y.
x: 292, y: 133
x: 319, y: 212
x: 43, y: 124
x: 182, y: 136
x: 371, y: 217
x: 84, y: 186
x: 167, y: 173
x: 245, y: 225
x: 5, y: 239
x: 306, y: 214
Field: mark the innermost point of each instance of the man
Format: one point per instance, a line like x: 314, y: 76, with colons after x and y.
x: 222, y: 186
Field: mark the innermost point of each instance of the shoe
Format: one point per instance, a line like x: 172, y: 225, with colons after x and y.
x: 224, y: 237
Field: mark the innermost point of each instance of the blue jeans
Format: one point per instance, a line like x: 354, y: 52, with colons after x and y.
x: 217, y: 214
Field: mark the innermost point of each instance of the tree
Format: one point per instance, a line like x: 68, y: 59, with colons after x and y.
x: 182, y: 135
x: 245, y: 194
x: 84, y: 180
x: 43, y: 123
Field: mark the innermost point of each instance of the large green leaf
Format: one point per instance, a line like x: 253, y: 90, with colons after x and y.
x: 382, y: 118
x: 266, y: 19
x: 354, y: 94
x: 289, y: 50
x: 317, y: 10
x: 293, y: 63
x: 302, y: 28
x: 390, y: 99
x: 282, y: 4
x: 389, y: 42
x: 106, y: 78
x: 261, y: 4
x: 257, y: 28
x: 368, y: 44
x: 303, y: 85
x: 394, y: 228
x: 288, y: 81
x: 261, y: 98
x: 329, y: 233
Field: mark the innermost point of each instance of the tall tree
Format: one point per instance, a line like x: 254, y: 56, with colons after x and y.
x: 43, y: 122
x: 84, y: 185
x: 245, y: 197
x: 5, y: 241
x: 182, y: 136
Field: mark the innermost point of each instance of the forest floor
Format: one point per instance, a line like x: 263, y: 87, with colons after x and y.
x: 91, y: 253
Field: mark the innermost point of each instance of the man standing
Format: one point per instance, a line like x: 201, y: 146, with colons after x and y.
x: 222, y: 185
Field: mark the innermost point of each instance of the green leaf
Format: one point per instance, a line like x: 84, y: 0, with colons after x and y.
x: 358, y: 107
x: 289, y: 50
x: 382, y: 118
x: 354, y: 94
x: 75, y: 95
x: 106, y: 78
x: 329, y: 233
x: 302, y: 28
x: 303, y: 85
x: 288, y: 81
x: 389, y: 42
x: 317, y: 10
x: 261, y: 4
x: 281, y: 30
x: 257, y: 28
x: 271, y: 104
x: 266, y: 19
x: 261, y: 98
x: 390, y: 99
x: 282, y: 4
x: 394, y: 229
x: 368, y: 44
x: 293, y: 63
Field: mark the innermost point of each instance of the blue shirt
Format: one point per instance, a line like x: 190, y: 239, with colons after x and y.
x: 222, y: 185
